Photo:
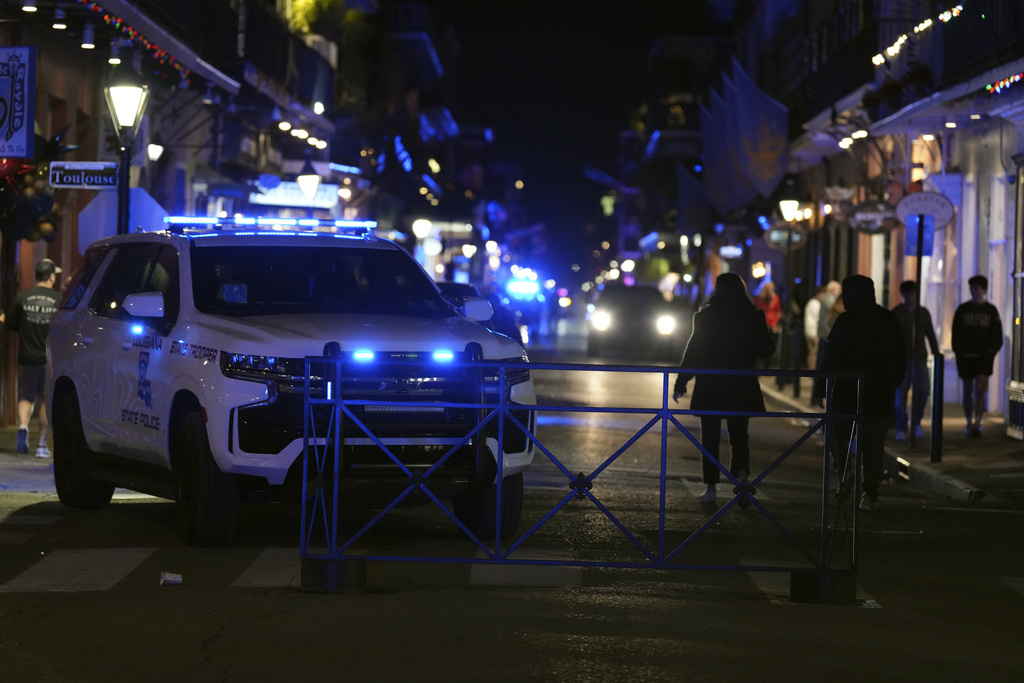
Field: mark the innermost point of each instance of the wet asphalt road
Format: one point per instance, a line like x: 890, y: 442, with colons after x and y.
x: 940, y: 584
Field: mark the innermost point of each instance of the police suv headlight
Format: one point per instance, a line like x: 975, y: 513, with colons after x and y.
x: 665, y: 324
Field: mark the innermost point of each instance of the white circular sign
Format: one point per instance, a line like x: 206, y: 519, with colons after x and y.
x: 927, y: 203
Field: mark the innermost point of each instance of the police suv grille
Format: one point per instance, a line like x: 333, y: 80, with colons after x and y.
x: 413, y: 388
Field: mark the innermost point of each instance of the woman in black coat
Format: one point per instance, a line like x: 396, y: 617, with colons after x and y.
x: 729, y: 333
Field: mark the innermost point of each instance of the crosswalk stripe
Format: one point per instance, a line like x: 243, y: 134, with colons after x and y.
x: 1014, y: 582
x: 87, y: 569
x: 14, y: 537
x: 33, y: 520
x: 274, y: 567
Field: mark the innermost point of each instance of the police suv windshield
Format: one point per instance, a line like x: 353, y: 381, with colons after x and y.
x: 283, y: 280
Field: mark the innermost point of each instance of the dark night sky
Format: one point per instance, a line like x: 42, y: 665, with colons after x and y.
x: 556, y: 80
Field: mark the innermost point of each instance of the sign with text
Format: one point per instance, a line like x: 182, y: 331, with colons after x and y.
x: 289, y: 194
x: 17, y: 101
x: 926, y: 204
x: 84, y: 175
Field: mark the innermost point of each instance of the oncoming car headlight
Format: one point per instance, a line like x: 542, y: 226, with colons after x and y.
x: 601, y: 320
x: 665, y: 324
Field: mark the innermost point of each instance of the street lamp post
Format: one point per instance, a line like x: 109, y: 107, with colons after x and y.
x: 127, y: 94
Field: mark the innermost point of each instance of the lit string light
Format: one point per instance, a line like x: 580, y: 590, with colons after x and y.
x: 894, y: 49
x: 1001, y: 85
x: 159, y: 54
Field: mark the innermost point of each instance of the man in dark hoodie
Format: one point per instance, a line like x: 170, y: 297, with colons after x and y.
x: 867, y: 338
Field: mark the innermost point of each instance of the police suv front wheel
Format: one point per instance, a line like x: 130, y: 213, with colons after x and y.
x: 207, y: 500
x: 72, y: 460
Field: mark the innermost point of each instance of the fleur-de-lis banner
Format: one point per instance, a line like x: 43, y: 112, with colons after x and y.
x: 744, y: 189
x: 762, y: 133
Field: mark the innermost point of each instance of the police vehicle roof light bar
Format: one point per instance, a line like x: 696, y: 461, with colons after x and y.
x: 249, y: 222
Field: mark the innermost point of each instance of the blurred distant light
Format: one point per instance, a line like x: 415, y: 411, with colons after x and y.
x: 564, y: 302
x: 522, y: 287
x: 698, y: 168
x: 628, y: 265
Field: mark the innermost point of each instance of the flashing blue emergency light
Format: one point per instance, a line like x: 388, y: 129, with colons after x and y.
x: 249, y: 221
x: 522, y: 287
x: 136, y: 329
x: 443, y: 356
x: 363, y: 356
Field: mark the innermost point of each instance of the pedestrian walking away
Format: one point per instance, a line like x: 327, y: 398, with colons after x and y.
x: 812, y: 316
x: 916, y: 323
x: 977, y: 338
x: 833, y: 290
x: 729, y: 333
x: 866, y: 338
x: 29, y: 316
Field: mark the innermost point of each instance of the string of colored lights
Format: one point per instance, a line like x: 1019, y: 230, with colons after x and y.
x: 158, y: 53
x: 894, y: 49
x: 1001, y: 85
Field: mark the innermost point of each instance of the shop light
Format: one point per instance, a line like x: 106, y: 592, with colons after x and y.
x: 29, y: 6
x: 59, y: 19
x: 88, y: 37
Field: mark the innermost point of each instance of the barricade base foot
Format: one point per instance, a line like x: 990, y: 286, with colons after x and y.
x: 328, y: 575
x: 823, y: 588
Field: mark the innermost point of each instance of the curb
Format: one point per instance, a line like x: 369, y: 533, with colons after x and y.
x: 918, y: 477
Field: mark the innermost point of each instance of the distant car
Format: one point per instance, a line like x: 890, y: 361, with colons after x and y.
x: 637, y: 322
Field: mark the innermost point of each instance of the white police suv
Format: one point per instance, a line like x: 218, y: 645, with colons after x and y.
x: 177, y: 364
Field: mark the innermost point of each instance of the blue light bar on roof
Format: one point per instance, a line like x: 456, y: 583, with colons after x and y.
x: 206, y: 221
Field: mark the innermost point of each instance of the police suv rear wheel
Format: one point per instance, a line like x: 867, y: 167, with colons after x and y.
x: 207, y: 500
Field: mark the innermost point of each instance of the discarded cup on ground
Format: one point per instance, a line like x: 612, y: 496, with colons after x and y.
x: 169, y: 579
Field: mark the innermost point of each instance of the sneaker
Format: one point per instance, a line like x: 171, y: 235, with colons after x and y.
x: 975, y: 432
x: 919, y: 432
x: 868, y: 503
x: 23, y: 441
x: 42, y: 452
x: 709, y: 495
x: 901, y: 434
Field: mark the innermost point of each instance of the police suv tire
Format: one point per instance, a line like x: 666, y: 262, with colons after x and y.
x: 72, y: 460
x: 477, y: 512
x: 207, y: 500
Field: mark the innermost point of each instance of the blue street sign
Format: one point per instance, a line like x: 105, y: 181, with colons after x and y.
x: 913, y: 224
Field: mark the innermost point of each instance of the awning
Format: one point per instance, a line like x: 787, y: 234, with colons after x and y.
x: 186, y: 55
x: 952, y: 104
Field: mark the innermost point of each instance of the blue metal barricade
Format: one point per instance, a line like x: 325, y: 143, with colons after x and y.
x: 334, y: 555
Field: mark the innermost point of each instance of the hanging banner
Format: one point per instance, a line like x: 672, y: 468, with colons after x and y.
x: 762, y: 133
x: 692, y: 210
x: 743, y: 189
x: 715, y: 182
x: 17, y: 102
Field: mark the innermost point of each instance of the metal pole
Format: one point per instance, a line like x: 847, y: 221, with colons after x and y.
x: 912, y: 437
x: 123, y: 191
x: 939, y: 365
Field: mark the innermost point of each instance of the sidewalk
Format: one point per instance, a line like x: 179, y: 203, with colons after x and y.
x: 989, y: 469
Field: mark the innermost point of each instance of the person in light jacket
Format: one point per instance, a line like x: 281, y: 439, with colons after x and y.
x: 729, y: 333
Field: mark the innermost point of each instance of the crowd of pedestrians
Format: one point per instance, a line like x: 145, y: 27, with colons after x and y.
x: 846, y: 331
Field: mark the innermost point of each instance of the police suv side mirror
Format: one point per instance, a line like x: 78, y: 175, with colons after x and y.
x: 144, y: 305
x: 478, y: 309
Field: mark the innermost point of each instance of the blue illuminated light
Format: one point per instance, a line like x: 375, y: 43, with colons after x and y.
x: 271, y: 222
x: 136, y: 329
x: 363, y: 356
x: 522, y: 287
x: 443, y: 356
